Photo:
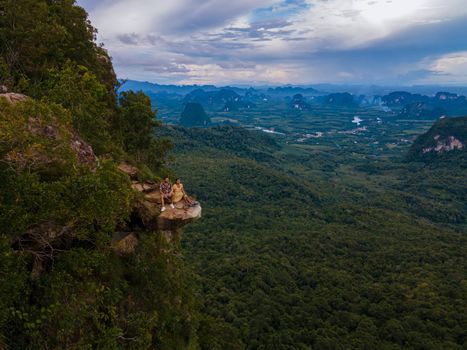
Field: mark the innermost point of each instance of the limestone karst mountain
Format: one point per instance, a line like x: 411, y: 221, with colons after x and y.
x: 194, y: 116
x: 446, y: 138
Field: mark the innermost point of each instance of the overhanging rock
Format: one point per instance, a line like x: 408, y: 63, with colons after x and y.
x: 147, y: 215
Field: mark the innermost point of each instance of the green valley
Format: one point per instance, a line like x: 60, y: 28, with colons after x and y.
x: 324, y: 247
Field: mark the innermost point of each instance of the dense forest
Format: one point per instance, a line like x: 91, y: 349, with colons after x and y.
x: 302, y: 251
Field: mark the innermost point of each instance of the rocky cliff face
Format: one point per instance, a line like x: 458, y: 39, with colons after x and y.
x: 448, y: 136
x: 447, y: 144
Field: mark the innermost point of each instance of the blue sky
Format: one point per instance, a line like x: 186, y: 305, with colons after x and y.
x: 384, y: 42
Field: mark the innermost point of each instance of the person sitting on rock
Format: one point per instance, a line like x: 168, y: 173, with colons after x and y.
x: 179, y: 193
x: 167, y: 193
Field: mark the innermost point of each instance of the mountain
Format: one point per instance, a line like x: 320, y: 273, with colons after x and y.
x: 446, y: 138
x: 255, y: 95
x: 147, y: 87
x: 403, y: 98
x: 194, y: 115
x: 421, y: 110
x: 299, y: 103
x: 339, y: 99
x: 420, y: 106
x: 212, y: 98
x: 454, y: 104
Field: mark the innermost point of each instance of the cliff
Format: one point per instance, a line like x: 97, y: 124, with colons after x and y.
x: 76, y: 226
x: 146, y: 215
x: 65, y: 206
x: 48, y: 145
x: 447, y: 137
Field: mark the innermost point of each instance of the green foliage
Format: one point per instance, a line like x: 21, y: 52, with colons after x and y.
x: 36, y: 36
x: 159, y: 287
x: 292, y: 258
x: 135, y: 125
x: 61, y: 284
x: 80, y: 92
x: 234, y: 140
x: 59, y: 216
x: 14, y: 286
x: 42, y: 180
x: 194, y: 115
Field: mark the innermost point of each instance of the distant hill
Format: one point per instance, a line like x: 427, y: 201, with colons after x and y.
x: 421, y: 110
x: 299, y: 102
x: 402, y: 98
x: 447, y: 136
x: 194, y: 115
x: 340, y: 99
x: 442, y: 103
x: 255, y: 95
x: 158, y: 88
x: 212, y: 98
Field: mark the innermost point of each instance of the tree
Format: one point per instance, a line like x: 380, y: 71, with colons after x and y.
x: 77, y: 89
x: 134, y: 127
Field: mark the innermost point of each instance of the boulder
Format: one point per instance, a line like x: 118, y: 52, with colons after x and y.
x: 129, y: 169
x: 81, y: 148
x: 125, y: 244
x: 83, y: 151
x: 13, y: 97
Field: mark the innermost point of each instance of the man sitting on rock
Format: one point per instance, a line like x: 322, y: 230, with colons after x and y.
x: 166, y: 193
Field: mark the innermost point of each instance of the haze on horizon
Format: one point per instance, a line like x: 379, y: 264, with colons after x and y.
x: 253, y: 42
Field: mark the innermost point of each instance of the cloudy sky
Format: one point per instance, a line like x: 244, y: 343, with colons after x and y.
x: 285, y: 41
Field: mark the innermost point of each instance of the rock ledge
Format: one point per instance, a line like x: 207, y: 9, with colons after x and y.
x: 147, y: 215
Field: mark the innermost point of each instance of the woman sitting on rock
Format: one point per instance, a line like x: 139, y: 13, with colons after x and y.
x: 179, y: 193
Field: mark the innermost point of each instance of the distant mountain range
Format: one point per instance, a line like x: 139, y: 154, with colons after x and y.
x: 317, y: 89
x: 402, y: 104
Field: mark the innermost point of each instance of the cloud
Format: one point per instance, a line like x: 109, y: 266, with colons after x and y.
x: 282, y: 41
x: 450, y: 68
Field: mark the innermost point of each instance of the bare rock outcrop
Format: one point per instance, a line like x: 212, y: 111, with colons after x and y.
x: 83, y: 151
x: 13, y: 97
x: 447, y: 144
x: 147, y: 215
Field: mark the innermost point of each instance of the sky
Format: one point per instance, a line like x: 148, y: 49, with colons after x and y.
x: 276, y: 42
